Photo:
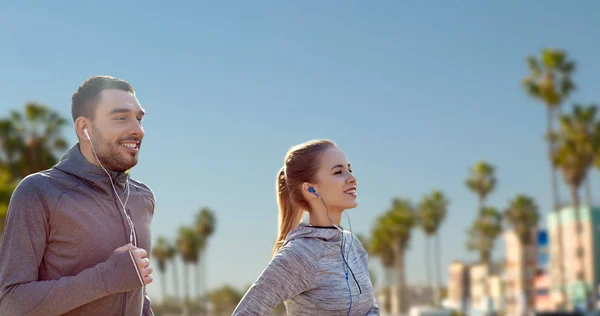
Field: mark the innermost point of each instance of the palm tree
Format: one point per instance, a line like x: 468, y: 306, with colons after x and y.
x: 577, y: 147
x: 205, y: 225
x: 188, y: 245
x: 550, y: 82
x: 425, y: 219
x: 6, y: 188
x: 431, y: 214
x: 438, y: 203
x: 380, y: 246
x: 171, y: 254
x: 224, y: 300
x: 522, y: 215
x: 588, y: 189
x: 30, y: 141
x: 160, y: 252
x: 396, y: 226
x: 482, y: 236
x: 481, y: 181
x: 366, y: 244
x: 363, y: 241
x: 483, y: 233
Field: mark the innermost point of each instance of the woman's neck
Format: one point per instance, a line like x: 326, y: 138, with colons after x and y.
x: 320, y: 218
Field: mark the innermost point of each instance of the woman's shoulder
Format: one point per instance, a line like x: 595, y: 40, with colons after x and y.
x: 354, y: 242
x: 303, y: 248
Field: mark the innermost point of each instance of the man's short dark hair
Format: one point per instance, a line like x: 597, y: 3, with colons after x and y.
x: 84, y: 100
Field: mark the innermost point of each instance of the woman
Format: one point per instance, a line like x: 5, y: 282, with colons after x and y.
x: 316, y: 268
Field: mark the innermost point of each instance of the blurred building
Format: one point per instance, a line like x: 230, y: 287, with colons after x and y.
x: 590, y: 218
x: 542, y: 284
x: 497, y: 290
x: 478, y: 276
x: 421, y: 294
x: 520, y: 272
x: 543, y: 300
x: 481, y: 294
x: 416, y: 295
x: 458, y: 285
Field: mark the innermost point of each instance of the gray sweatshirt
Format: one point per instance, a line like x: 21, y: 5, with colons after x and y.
x: 308, y: 275
x: 56, y: 252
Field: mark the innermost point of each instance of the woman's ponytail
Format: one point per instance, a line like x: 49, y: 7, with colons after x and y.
x: 289, y: 216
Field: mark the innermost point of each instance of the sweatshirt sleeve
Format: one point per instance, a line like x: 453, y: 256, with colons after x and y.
x: 374, y: 310
x: 289, y: 273
x: 22, y: 250
x: 147, y: 311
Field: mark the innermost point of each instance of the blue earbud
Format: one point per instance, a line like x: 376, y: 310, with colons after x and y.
x: 312, y: 190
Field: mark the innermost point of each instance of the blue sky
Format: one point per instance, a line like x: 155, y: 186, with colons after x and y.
x: 414, y: 94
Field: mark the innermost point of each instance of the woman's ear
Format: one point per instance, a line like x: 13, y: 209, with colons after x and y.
x: 309, y: 189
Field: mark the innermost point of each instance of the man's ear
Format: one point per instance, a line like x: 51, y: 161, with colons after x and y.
x: 81, y: 124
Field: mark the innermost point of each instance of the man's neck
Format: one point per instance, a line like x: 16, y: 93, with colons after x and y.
x: 86, y: 151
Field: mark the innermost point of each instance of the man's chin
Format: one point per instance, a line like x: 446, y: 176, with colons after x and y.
x: 122, y: 166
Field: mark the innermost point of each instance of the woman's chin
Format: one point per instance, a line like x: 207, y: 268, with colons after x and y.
x: 351, y: 205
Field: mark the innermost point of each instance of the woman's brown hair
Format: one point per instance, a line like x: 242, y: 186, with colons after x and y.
x: 300, y: 165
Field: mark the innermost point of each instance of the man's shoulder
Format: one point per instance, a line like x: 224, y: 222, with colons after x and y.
x: 41, y: 181
x: 40, y: 186
x: 142, y: 188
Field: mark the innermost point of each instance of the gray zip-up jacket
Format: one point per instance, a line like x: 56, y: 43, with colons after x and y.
x: 308, y: 275
x: 56, y: 252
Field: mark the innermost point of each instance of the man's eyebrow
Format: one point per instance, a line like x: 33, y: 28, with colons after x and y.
x: 124, y: 110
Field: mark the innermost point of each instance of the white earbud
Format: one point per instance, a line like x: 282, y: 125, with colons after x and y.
x: 86, y: 133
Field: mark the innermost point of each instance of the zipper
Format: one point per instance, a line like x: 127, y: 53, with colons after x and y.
x: 350, y: 269
x: 115, y: 197
x: 355, y: 281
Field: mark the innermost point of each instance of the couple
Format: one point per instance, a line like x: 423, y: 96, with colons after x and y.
x: 77, y: 236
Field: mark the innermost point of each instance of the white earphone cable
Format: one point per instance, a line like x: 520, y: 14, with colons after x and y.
x: 132, y: 235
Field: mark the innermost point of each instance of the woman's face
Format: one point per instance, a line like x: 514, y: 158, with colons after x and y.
x: 335, y: 183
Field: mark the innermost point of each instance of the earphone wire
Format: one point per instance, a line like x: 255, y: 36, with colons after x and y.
x: 345, y: 266
x: 132, y: 235
x: 351, y: 235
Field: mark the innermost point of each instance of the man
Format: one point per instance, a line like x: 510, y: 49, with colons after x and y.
x: 72, y: 245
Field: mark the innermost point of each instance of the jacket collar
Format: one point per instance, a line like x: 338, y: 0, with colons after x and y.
x: 73, y: 162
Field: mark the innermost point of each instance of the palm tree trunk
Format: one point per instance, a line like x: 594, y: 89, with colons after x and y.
x: 401, y: 292
x: 204, y: 283
x: 588, y: 191
x: 582, y: 275
x: 176, y: 280
x: 438, y: 262
x: 197, y: 278
x: 524, y: 283
x: 484, y: 254
x: 557, y: 206
x: 485, y: 258
x: 387, y: 284
x: 186, y: 283
x: 560, y: 258
x: 163, y: 287
x: 428, y: 262
x: 554, y: 175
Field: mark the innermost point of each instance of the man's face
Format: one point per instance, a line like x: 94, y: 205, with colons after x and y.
x: 117, y: 129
